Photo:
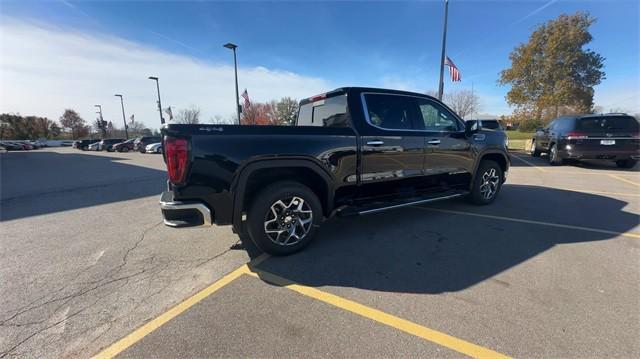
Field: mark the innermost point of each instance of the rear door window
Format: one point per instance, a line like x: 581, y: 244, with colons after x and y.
x: 607, y: 124
x: 391, y: 112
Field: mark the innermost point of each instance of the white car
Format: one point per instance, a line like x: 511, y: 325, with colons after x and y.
x: 94, y: 146
x: 154, y: 148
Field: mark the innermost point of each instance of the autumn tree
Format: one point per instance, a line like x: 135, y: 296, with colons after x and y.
x: 71, y: 120
x: 258, y: 114
x: 553, y: 71
x: 189, y: 115
x: 15, y: 126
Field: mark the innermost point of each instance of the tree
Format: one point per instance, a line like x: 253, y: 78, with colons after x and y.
x: 286, y: 111
x: 553, y: 70
x: 71, y: 120
x: 15, y: 126
x: 462, y: 102
x: 258, y: 114
x: 189, y: 115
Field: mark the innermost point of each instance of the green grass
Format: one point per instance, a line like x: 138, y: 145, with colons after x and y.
x: 517, y: 135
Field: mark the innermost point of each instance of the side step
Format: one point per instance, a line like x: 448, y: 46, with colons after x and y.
x: 383, y: 206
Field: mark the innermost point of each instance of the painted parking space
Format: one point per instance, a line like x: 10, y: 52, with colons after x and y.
x: 503, y: 279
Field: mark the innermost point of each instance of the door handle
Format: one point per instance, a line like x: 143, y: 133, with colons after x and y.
x: 375, y: 143
x: 433, y: 142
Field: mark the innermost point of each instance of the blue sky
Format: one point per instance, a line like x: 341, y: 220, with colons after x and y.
x: 387, y: 44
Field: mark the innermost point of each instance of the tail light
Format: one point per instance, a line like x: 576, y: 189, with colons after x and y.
x: 573, y: 135
x: 177, y: 154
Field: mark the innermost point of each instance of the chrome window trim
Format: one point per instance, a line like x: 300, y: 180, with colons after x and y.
x: 368, y: 119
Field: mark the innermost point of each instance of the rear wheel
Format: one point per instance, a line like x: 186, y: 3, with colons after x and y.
x: 124, y: 149
x: 554, y: 156
x: 283, y: 218
x: 626, y: 163
x: 487, y: 183
x: 534, y: 151
x: 159, y: 150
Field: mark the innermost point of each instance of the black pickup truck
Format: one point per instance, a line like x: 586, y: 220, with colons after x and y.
x: 352, y: 151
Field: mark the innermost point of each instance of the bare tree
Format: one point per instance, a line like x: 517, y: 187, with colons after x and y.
x: 463, y: 102
x: 189, y: 115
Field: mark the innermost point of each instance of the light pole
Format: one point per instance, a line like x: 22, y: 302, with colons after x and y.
x: 101, y: 119
x: 124, y: 118
x: 444, y: 43
x: 159, y: 104
x: 235, y: 67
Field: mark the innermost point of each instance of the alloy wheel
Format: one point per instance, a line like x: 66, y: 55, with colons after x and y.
x: 288, y: 221
x: 490, y: 183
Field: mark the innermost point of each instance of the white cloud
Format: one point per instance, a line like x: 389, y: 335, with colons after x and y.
x: 45, y: 69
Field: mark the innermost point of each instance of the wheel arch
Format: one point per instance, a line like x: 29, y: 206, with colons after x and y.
x: 258, y: 174
x: 494, y: 155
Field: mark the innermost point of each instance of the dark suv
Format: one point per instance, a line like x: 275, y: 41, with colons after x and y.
x: 141, y: 143
x: 612, y: 136
x: 84, y: 144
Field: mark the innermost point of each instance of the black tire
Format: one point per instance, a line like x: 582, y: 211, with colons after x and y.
x: 159, y: 150
x: 260, y: 214
x: 489, y: 174
x: 84, y: 148
x: 554, y: 156
x: 124, y: 149
x: 534, y: 151
x: 626, y: 163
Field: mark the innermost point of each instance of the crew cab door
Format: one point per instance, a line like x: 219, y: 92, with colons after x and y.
x: 448, y: 160
x: 392, y: 149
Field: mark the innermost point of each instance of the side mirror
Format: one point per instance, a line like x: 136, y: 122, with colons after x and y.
x: 471, y: 127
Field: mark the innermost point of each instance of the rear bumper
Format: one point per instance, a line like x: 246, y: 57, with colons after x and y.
x: 184, y: 214
x: 612, y: 154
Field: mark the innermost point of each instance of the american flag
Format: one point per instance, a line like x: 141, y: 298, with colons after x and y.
x: 245, y: 96
x: 453, y: 70
x: 132, y: 118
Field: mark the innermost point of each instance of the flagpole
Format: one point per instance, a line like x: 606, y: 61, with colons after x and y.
x: 444, y: 42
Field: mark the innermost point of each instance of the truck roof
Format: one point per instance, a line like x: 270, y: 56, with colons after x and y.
x: 356, y: 90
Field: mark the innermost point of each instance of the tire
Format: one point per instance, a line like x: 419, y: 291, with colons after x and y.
x: 487, y: 183
x: 626, y: 163
x: 269, y: 204
x: 159, y: 150
x: 124, y: 149
x: 534, y: 151
x: 84, y: 148
x: 554, y: 156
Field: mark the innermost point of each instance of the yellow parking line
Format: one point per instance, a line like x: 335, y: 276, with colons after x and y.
x: 529, y: 163
x: 624, y: 180
x: 549, y: 224
x: 122, y: 344
x: 404, y: 325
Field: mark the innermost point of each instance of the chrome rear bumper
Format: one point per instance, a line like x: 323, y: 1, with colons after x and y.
x: 184, y: 214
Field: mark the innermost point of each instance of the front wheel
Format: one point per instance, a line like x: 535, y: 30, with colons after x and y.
x: 534, y: 151
x: 124, y: 149
x: 487, y: 183
x: 283, y: 218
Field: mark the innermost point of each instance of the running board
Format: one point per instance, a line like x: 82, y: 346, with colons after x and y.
x: 392, y: 205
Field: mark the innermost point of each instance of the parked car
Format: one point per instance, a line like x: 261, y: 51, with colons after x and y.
x: 142, y: 142
x: 84, y: 144
x: 612, y: 136
x: 3, y: 149
x: 490, y: 124
x: 94, y: 146
x: 11, y: 146
x: 154, y: 148
x: 66, y: 143
x: 25, y: 145
x: 107, y: 144
x: 125, y: 146
x: 352, y: 151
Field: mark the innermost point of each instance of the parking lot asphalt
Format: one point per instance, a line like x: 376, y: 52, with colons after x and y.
x: 551, y: 269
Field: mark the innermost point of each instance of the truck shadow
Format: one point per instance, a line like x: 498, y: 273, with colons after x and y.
x: 442, y: 248
x: 41, y: 182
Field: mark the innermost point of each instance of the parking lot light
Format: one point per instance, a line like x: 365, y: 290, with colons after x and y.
x: 154, y: 78
x: 124, y: 118
x: 233, y: 48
